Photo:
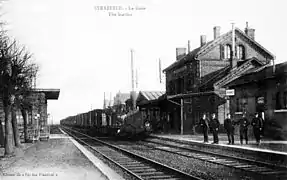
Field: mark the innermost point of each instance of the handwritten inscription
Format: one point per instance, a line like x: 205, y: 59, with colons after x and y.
x: 31, y: 174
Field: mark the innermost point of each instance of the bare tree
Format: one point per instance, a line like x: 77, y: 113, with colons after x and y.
x: 17, y: 74
x: 2, y: 119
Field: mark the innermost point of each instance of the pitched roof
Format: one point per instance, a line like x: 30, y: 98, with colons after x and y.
x: 151, y: 95
x: 234, y: 73
x: 211, y: 44
x: 211, y: 78
x: 261, y: 74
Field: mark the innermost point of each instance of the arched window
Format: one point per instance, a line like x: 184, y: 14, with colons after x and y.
x: 227, y: 51
x: 240, y: 52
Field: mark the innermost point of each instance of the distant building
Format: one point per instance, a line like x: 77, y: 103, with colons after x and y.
x: 198, y: 76
x: 149, y: 105
x: 119, y: 103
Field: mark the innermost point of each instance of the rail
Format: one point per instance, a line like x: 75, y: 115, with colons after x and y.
x: 138, y: 166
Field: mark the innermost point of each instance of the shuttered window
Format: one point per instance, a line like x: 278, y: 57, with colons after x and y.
x: 225, y: 51
x: 240, y: 52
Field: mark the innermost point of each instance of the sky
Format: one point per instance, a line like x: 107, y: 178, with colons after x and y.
x: 85, y: 51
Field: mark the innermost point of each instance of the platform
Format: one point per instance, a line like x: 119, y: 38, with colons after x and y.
x: 61, y: 157
x: 269, y: 151
x: 278, y: 147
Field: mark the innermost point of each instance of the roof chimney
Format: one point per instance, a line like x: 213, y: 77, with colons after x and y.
x: 250, y: 32
x: 202, y: 40
x: 180, y: 52
x: 216, y: 32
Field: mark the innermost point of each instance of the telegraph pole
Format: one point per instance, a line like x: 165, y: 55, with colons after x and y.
x: 133, y: 93
x: 181, y: 116
x: 132, y: 70
x: 104, y: 100
x: 91, y: 115
x: 159, y: 67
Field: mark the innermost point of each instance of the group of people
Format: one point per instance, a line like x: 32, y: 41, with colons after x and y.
x: 229, y: 126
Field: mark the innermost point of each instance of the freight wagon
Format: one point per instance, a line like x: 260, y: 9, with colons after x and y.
x: 109, y: 123
x: 94, y: 122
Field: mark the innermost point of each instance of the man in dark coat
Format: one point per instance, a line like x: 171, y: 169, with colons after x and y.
x: 229, y: 127
x: 243, y: 128
x: 204, y: 125
x: 257, y: 124
x: 214, y: 123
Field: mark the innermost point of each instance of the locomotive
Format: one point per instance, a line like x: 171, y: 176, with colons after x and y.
x: 135, y: 126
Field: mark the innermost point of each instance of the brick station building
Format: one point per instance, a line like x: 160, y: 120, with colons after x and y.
x: 37, y: 114
x: 198, y: 76
x: 264, y: 91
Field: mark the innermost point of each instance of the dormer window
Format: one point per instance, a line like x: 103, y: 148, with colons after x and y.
x: 240, y: 52
x: 227, y: 51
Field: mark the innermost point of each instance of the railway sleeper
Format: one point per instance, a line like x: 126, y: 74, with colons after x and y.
x: 234, y: 164
x: 275, y: 172
x: 160, y: 177
x: 262, y: 169
x: 128, y: 162
x: 251, y: 168
x: 218, y: 160
x: 228, y: 162
x: 243, y: 166
x: 203, y: 156
x: 208, y: 158
x: 186, y: 153
x: 151, y: 173
x: 134, y: 165
x: 141, y: 170
x: 122, y: 158
x: 141, y: 167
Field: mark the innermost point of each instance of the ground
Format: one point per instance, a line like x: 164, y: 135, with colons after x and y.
x: 55, y: 159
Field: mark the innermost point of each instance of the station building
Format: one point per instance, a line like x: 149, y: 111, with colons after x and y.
x: 150, y: 106
x: 263, y: 90
x: 36, y: 114
x: 198, y: 77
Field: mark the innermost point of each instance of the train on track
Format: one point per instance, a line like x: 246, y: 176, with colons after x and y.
x: 99, y: 122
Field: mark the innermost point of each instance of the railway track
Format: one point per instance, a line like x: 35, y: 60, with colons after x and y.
x: 263, y: 169
x: 136, y: 165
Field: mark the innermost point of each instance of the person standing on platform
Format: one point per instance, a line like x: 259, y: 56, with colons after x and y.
x: 257, y: 124
x: 214, y: 123
x: 204, y: 125
x: 229, y: 127
x: 243, y: 128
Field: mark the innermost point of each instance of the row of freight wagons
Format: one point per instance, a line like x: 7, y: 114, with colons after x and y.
x: 94, y: 118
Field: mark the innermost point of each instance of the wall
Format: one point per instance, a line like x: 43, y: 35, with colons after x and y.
x: 251, y: 92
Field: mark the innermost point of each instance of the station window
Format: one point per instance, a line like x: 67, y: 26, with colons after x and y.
x: 240, y: 104
x: 227, y: 51
x: 281, y: 100
x: 240, y: 52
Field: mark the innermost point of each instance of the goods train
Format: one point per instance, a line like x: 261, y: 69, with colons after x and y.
x: 108, y: 123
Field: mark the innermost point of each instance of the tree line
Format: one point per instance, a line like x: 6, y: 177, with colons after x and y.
x: 17, y: 72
